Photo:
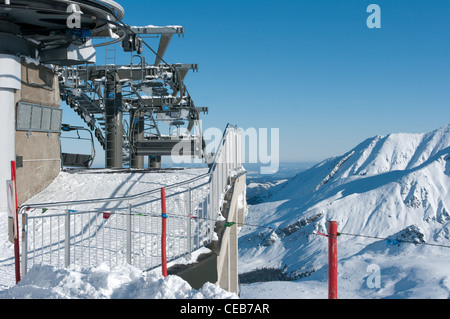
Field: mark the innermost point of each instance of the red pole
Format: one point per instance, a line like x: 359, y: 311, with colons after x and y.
x: 163, y: 236
x: 16, y: 223
x: 332, y: 260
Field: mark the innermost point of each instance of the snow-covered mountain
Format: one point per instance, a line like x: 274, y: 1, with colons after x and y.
x: 395, y: 186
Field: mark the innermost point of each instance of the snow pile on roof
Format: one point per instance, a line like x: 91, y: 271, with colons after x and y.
x: 103, y: 282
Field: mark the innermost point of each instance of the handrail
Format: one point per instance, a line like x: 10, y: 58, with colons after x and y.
x: 135, y: 196
x: 222, y: 141
x: 109, y: 199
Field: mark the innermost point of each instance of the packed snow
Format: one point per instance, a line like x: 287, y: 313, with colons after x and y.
x: 394, y: 187
x: 103, y: 282
x: 109, y: 183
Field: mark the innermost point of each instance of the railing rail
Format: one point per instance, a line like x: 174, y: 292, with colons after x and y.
x: 127, y: 229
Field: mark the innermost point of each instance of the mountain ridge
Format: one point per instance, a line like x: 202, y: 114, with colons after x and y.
x: 385, y: 187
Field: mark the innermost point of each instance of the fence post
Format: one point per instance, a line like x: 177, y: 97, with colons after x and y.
x: 129, y: 235
x: 188, y: 230
x: 67, y: 239
x: 332, y: 260
x: 164, y: 231
x: 24, y: 243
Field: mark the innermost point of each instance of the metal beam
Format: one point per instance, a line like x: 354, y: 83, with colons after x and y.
x: 163, y: 44
x: 185, y: 147
x: 155, y: 30
x: 133, y: 73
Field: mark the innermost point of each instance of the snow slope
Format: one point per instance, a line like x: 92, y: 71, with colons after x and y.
x: 394, y: 186
x: 108, y: 183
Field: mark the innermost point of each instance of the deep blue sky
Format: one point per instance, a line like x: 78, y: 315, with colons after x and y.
x: 311, y: 68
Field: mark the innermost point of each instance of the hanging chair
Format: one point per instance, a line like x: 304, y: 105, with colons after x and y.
x: 78, y: 160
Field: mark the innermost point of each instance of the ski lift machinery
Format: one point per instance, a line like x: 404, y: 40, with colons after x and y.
x: 150, y: 94
x: 102, y: 94
x: 39, y: 28
x: 144, y: 91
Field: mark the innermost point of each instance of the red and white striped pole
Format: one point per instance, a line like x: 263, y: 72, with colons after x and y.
x: 332, y: 260
x: 164, y: 232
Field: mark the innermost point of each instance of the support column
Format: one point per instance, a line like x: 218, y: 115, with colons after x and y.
x: 154, y: 161
x: 233, y: 255
x: 114, y: 122
x: 138, y: 135
x: 10, y: 80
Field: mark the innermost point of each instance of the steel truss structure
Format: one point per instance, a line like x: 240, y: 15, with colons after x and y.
x: 124, y: 106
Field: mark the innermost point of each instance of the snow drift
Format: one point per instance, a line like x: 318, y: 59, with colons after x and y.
x: 104, y: 282
x: 395, y: 186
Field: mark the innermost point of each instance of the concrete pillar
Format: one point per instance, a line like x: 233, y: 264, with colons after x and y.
x: 10, y: 80
x: 227, y: 260
x: 233, y: 256
x: 114, y: 122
